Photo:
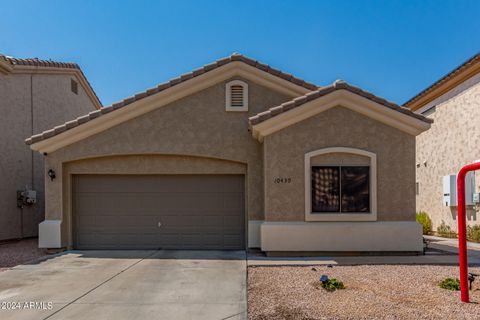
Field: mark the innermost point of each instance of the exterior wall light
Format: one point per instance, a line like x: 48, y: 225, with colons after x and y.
x: 51, y: 174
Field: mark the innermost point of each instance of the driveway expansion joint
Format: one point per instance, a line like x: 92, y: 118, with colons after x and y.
x: 101, y: 284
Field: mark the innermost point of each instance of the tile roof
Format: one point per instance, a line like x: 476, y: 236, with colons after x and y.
x: 470, y: 62
x: 195, y: 73
x: 337, y: 85
x: 41, y: 63
x: 35, y: 62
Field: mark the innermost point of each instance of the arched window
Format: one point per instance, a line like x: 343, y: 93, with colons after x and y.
x: 236, y: 96
x: 340, y: 185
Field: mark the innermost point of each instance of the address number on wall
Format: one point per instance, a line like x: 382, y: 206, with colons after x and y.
x: 281, y: 180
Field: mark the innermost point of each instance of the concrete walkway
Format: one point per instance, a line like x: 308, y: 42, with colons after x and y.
x: 445, y: 252
x: 128, y: 285
x: 451, y: 245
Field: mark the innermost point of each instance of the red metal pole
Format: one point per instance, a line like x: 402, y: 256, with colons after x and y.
x: 462, y: 229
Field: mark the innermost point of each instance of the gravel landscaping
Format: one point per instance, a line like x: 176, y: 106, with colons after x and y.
x: 19, y: 252
x: 372, y: 292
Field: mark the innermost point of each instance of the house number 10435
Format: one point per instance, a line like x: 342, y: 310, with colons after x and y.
x: 279, y: 180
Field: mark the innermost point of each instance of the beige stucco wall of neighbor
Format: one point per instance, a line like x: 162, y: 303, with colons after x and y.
x: 30, y: 103
x: 339, y: 127
x: 451, y: 142
x: 196, y: 126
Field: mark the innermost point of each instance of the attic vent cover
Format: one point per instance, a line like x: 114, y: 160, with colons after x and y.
x: 74, y: 86
x: 237, y: 96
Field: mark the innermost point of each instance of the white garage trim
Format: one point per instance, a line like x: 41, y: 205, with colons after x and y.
x: 254, y: 240
x: 49, y: 234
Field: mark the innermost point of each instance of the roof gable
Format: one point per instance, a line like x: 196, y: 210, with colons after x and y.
x: 163, y: 94
x: 16, y: 65
x: 339, y: 93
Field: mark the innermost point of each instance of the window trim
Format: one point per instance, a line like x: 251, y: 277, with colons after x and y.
x: 338, y: 216
x: 228, y: 92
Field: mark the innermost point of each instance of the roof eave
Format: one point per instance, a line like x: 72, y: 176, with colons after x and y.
x: 5, y: 66
x: 454, y: 78
x: 344, y: 98
x: 98, y: 121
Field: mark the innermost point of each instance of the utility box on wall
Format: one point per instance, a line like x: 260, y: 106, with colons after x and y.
x: 450, y: 189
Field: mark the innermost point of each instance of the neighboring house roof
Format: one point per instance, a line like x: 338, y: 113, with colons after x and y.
x: 10, y: 64
x: 173, y: 83
x: 465, y: 71
x: 339, y: 93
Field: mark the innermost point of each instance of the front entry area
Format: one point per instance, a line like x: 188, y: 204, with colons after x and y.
x: 159, y: 212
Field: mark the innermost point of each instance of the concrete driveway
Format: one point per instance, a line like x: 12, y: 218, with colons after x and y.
x: 128, y: 285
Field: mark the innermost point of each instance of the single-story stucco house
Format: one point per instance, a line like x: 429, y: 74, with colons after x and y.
x: 35, y: 95
x: 235, y: 155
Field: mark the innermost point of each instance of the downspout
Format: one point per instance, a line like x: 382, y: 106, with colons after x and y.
x: 31, y: 126
x: 32, y: 166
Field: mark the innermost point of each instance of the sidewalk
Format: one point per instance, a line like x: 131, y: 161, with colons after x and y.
x: 451, y: 245
x: 441, y: 251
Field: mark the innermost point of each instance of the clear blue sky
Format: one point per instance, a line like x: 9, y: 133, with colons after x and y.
x: 392, y: 48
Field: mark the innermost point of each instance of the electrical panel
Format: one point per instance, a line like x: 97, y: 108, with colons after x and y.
x: 26, y: 197
x: 450, y: 189
x: 476, y: 198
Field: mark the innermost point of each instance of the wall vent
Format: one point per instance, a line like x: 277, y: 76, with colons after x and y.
x: 74, y: 86
x: 236, y: 96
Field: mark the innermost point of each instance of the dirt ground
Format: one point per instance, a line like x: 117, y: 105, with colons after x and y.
x: 372, y: 292
x: 17, y: 252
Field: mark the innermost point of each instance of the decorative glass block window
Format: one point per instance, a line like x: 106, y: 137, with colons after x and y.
x: 342, y: 189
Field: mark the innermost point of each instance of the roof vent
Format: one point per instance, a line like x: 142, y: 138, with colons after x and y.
x: 236, y: 96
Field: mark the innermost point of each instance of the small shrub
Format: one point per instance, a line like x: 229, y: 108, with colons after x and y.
x: 423, y: 218
x: 332, y: 285
x: 450, y: 284
x: 473, y: 233
x: 444, y: 230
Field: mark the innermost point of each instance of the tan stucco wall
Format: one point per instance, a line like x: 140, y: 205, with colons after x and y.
x: 44, y: 100
x: 452, y: 141
x: 339, y: 127
x: 197, y: 126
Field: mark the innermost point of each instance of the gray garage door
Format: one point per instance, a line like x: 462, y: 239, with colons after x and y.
x: 159, y: 211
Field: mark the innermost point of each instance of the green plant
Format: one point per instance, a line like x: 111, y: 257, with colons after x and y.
x: 444, y: 230
x: 332, y: 285
x: 450, y: 284
x: 423, y: 218
x: 473, y: 233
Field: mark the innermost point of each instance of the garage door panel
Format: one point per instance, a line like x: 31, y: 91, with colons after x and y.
x: 194, y: 211
x: 168, y: 183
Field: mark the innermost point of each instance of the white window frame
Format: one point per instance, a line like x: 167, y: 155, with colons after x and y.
x: 228, y: 106
x: 338, y: 216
